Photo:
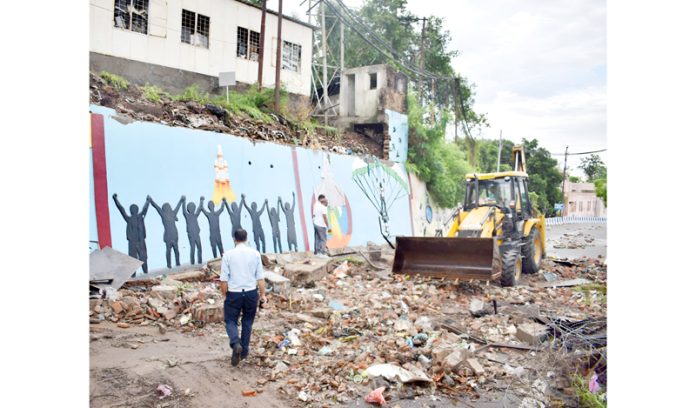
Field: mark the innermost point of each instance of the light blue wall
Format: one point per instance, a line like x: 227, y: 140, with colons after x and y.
x: 144, y: 158
x: 93, y: 235
x: 398, y: 132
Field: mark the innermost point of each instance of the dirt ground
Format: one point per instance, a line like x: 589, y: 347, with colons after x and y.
x: 128, y: 364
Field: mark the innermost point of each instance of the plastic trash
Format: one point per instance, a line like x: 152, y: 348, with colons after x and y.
x: 375, y: 397
x: 420, y: 339
x: 325, y: 351
x: 594, y: 385
x: 293, y: 337
x: 165, y: 390
x: 341, y: 270
x: 336, y: 305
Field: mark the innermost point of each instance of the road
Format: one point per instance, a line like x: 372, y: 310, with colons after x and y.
x: 589, y: 240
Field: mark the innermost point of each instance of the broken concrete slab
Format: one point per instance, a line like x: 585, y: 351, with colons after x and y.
x: 455, y: 359
x: 277, y: 283
x: 532, y: 333
x: 209, y: 313
x: 110, y: 264
x: 301, y: 273
x: 478, y: 307
x: 474, y: 364
x: 165, y: 291
x: 565, y: 283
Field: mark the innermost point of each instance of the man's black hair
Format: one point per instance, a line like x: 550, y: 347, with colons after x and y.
x: 321, y: 196
x: 240, y: 235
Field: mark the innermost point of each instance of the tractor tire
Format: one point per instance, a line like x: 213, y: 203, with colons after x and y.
x: 531, y: 252
x: 512, y: 267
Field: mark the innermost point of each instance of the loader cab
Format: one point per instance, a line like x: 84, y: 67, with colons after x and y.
x: 507, y: 191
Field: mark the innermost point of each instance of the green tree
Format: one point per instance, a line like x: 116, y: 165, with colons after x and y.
x: 440, y: 164
x: 574, y: 179
x: 544, y: 176
x: 593, y: 167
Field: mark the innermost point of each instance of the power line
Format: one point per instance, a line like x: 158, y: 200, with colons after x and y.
x: 575, y: 154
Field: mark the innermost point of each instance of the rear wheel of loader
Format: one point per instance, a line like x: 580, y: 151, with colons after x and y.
x: 512, y: 267
x: 531, y: 252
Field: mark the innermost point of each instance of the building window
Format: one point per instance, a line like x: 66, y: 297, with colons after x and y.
x: 195, y: 29
x: 131, y: 15
x: 292, y: 54
x: 248, y: 44
x: 373, y: 80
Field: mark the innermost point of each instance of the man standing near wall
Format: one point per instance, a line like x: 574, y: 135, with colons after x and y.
x: 242, y: 283
x: 321, y: 221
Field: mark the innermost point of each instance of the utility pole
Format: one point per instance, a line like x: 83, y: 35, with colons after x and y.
x: 261, y: 43
x: 500, y: 150
x: 325, y: 91
x: 276, y: 104
x: 432, y: 100
x: 422, y: 60
x: 563, y: 195
x: 342, y: 48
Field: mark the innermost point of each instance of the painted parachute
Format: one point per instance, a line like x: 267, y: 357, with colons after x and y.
x: 381, y: 184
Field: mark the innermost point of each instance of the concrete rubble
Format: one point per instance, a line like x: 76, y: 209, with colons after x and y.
x: 328, y: 338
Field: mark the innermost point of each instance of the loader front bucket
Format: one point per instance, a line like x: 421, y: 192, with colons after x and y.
x: 463, y: 258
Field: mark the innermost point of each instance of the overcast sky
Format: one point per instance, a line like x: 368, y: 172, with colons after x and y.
x: 539, y: 66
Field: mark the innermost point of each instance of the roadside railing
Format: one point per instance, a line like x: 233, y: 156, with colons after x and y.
x: 576, y: 220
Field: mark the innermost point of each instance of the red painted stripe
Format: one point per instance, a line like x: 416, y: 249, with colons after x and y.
x: 410, y: 202
x: 296, y: 167
x: 101, y: 191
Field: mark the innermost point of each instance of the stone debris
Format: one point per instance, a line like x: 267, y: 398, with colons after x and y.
x: 333, y: 337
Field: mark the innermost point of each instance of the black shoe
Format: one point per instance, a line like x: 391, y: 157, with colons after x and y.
x: 236, y: 354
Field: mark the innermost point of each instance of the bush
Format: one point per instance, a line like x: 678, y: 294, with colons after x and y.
x: 152, y: 93
x: 440, y: 164
x: 114, y: 80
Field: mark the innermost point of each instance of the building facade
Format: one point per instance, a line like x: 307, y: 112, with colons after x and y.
x: 167, y: 42
x: 582, y: 201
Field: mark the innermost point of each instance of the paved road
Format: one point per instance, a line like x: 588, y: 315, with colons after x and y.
x: 562, y: 235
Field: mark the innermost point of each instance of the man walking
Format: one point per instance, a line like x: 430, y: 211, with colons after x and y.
x: 242, y: 283
x: 321, y: 222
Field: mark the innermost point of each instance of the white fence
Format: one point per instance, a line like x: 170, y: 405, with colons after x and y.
x: 576, y: 220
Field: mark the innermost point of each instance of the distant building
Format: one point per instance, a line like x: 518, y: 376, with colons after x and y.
x: 582, y: 201
x: 372, y: 102
x: 177, y: 43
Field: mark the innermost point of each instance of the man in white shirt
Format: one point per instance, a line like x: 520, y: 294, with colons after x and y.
x: 242, y: 284
x: 321, y: 221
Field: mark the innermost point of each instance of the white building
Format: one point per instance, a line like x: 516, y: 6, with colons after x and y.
x: 582, y: 201
x: 168, y: 39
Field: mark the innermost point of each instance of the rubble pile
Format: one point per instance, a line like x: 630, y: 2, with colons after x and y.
x: 171, y: 302
x: 132, y: 103
x: 574, y: 241
x: 340, y: 330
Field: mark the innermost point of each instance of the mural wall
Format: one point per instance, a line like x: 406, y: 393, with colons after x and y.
x: 429, y: 220
x: 175, y: 195
x: 398, y: 134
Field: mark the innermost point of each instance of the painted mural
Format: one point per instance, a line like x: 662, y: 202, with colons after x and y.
x: 398, y: 136
x: 157, y: 182
x: 339, y: 214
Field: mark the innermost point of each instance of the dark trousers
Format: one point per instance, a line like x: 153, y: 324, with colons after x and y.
x: 319, y: 240
x: 244, y: 303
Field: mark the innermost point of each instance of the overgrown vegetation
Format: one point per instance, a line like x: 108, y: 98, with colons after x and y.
x: 596, y: 172
x: 588, y: 289
x: 114, y: 80
x: 152, y: 93
x: 586, y: 398
x: 440, y: 164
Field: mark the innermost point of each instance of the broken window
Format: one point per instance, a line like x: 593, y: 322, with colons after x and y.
x: 248, y: 44
x: 373, y: 80
x: 131, y: 15
x: 292, y: 53
x: 195, y: 29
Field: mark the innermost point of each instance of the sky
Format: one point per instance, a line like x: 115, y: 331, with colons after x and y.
x: 539, y: 66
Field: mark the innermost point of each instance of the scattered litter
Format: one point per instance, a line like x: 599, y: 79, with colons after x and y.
x: 392, y: 372
x: 249, y: 393
x: 375, y: 397
x: 336, y: 305
x: 164, y: 390
x: 302, y: 396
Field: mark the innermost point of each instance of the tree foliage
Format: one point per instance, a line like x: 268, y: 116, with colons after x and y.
x: 440, y: 164
x: 544, y: 176
x: 596, y: 172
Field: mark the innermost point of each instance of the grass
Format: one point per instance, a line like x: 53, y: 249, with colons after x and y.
x: 585, y: 397
x: 114, y: 80
x: 253, y: 103
x: 354, y: 260
x: 591, y: 287
x: 152, y: 93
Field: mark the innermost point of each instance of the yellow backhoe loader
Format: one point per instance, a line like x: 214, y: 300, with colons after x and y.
x: 496, y: 233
